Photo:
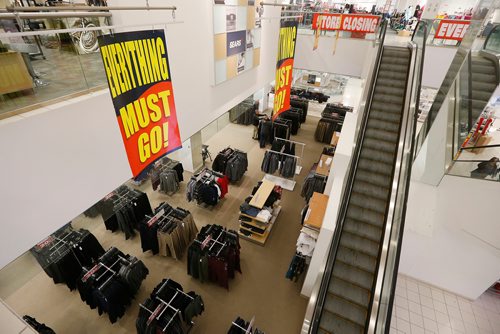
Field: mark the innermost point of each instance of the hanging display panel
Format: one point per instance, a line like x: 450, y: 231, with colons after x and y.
x: 237, y: 34
x: 138, y: 73
x: 284, y: 66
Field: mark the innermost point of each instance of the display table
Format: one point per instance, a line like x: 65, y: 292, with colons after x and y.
x: 316, y: 211
x: 14, y: 75
x: 260, y: 197
x: 254, y: 228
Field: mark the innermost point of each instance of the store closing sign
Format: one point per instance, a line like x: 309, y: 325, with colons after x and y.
x: 346, y: 22
x: 138, y: 72
x: 452, y: 29
x: 284, y: 67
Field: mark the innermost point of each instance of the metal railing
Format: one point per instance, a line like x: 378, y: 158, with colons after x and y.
x: 54, y: 56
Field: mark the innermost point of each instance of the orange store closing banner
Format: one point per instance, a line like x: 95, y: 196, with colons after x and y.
x: 346, y: 22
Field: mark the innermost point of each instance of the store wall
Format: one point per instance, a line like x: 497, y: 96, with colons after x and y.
x: 349, y: 57
x: 437, y: 61
x: 56, y: 162
x: 451, y: 239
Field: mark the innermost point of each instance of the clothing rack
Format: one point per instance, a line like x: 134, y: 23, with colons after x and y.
x: 302, y: 145
x: 215, y: 241
x: 285, y: 183
x: 283, y: 122
x: 161, y: 308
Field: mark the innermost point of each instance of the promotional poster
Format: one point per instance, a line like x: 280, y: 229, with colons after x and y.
x: 284, y: 66
x: 138, y: 73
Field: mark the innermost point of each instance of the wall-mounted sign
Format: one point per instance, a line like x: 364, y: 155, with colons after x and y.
x: 346, y: 22
x: 138, y: 73
x: 236, y: 42
x: 452, y: 29
x: 237, y: 33
x: 284, y: 66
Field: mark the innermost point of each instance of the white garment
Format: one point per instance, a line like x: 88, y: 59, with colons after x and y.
x: 264, y: 215
x: 306, y: 244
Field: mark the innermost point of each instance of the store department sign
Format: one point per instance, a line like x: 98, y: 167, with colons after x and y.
x: 452, y: 29
x: 138, y: 73
x: 345, y: 22
x: 284, y: 67
x: 236, y: 42
x: 237, y: 37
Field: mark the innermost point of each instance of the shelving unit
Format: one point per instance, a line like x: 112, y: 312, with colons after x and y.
x: 316, y: 211
x: 265, y: 227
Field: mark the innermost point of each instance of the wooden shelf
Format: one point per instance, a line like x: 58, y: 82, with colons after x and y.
x: 249, y: 230
x: 255, y: 223
x: 254, y: 218
x: 261, y: 238
x: 323, y: 168
x: 316, y: 211
x: 262, y: 194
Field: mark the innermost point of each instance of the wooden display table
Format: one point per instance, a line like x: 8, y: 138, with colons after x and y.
x: 316, y: 212
x: 260, y: 229
x: 14, y: 75
x: 260, y: 197
x: 324, y: 169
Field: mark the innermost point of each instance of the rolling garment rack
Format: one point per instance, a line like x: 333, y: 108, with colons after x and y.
x: 177, y: 223
x: 214, y: 256
x: 240, y: 326
x: 63, y: 254
x: 208, y: 187
x: 166, y: 175
x: 231, y: 162
x: 301, y: 155
x: 124, y: 272
x: 273, y: 164
x: 160, y: 309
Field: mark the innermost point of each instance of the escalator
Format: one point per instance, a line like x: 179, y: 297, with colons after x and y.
x: 484, y: 80
x: 374, y: 197
x: 348, y: 298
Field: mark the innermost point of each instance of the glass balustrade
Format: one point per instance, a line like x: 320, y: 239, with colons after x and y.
x: 56, y: 58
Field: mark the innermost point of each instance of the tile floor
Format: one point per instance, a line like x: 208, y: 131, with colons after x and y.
x: 423, y: 309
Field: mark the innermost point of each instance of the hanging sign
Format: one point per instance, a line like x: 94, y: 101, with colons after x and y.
x: 138, y: 73
x: 452, y: 29
x: 284, y: 67
x: 346, y: 22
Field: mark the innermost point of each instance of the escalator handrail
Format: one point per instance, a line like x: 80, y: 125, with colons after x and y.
x: 406, y: 174
x: 332, y: 253
x: 495, y: 27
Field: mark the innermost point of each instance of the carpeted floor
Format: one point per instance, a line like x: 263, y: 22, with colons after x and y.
x: 261, y: 290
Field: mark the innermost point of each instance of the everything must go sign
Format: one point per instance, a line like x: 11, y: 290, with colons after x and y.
x: 138, y: 72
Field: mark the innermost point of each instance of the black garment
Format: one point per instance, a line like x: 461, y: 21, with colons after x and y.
x: 125, y: 209
x: 216, y: 262
x: 486, y: 168
x: 39, y: 327
x: 111, y: 292
x: 301, y: 104
x: 63, y: 254
x: 294, y: 117
x: 188, y: 305
x: 265, y: 132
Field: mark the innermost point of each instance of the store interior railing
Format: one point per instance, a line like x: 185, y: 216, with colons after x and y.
x: 50, y: 53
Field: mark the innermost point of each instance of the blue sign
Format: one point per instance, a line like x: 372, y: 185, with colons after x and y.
x: 236, y: 42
